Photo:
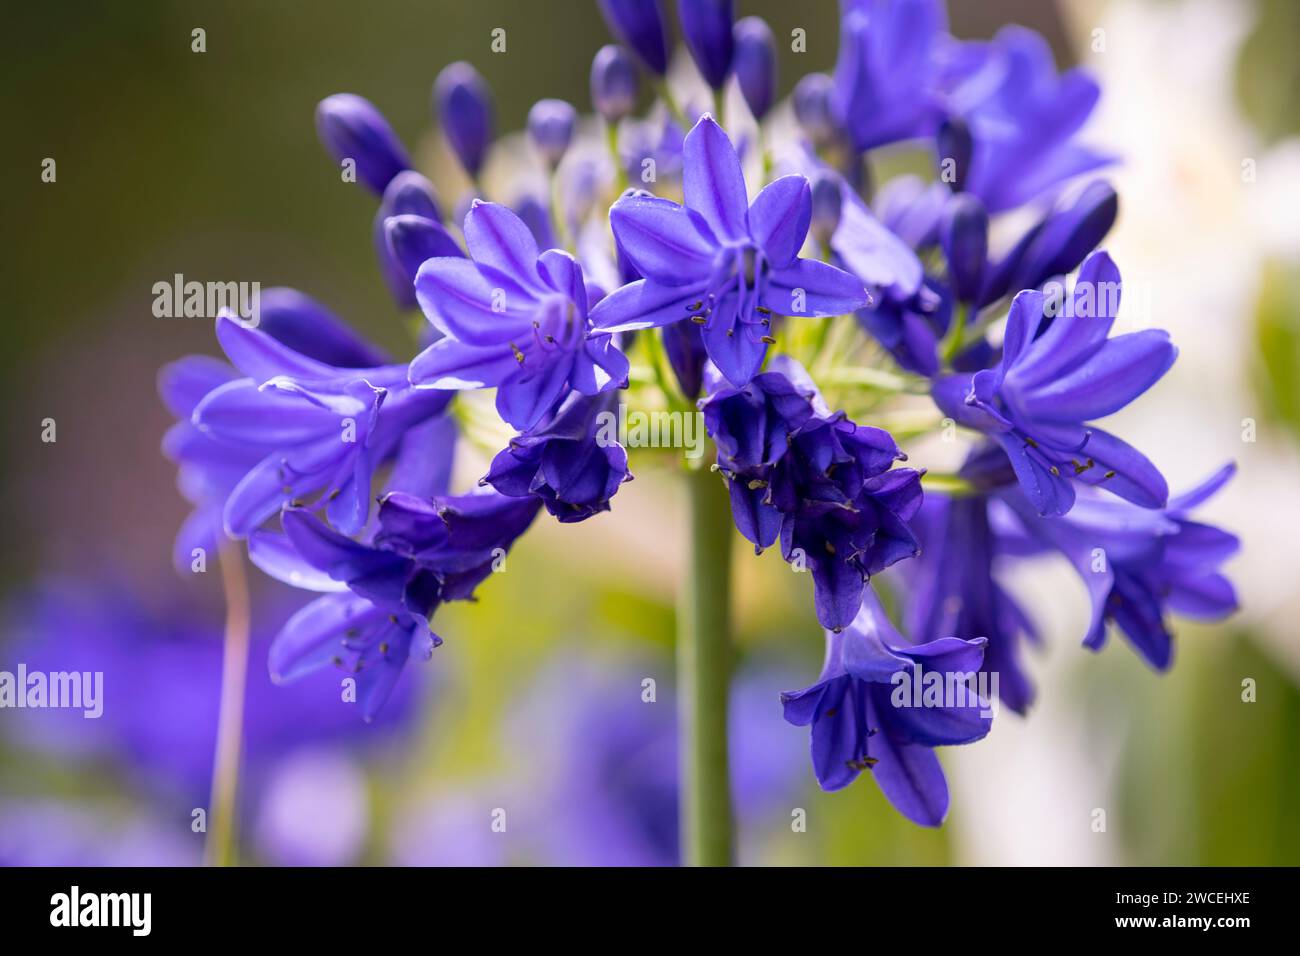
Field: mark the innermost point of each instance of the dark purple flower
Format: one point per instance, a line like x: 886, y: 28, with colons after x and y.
x: 707, y: 29
x: 463, y: 104
x: 613, y: 83
x: 820, y: 483
x: 299, y: 322
x: 953, y: 593
x: 571, y: 461
x: 1138, y: 564
x: 864, y: 717
x: 1022, y: 117
x: 1055, y: 375
x: 886, y: 74
x: 312, y: 427
x: 964, y: 236
x: 350, y: 127
x: 409, y: 242
x: 910, y: 328
x: 550, y: 128
x: 1061, y: 241
x: 755, y: 63
x: 751, y: 428
x: 514, y: 319
x: 725, y: 267
x: 953, y: 145
x: 639, y: 24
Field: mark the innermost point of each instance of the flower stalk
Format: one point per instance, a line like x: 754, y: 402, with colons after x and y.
x: 703, y: 675
x: 220, y: 849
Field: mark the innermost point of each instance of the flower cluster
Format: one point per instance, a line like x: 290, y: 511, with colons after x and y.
x: 757, y: 270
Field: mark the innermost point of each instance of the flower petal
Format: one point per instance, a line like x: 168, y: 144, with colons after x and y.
x: 498, y: 238
x: 813, y: 288
x: 779, y: 219
x: 449, y: 363
x: 645, y: 304
x: 712, y: 181
x: 664, y: 241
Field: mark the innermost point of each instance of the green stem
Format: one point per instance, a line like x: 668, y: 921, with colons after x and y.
x: 703, y: 673
x: 220, y: 850
x: 953, y: 345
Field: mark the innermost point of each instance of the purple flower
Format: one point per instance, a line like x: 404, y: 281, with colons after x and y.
x: 812, y: 99
x: 707, y: 29
x: 351, y: 128
x: 639, y: 24
x: 886, y: 75
x: 463, y: 104
x: 512, y: 319
x: 550, y: 128
x: 953, y: 593
x: 1022, y: 118
x: 418, y: 236
x: 716, y: 263
x: 1056, y: 373
x: 964, y: 236
x: 1139, y: 563
x: 755, y: 63
x: 571, y: 461
x: 613, y: 83
x: 862, y: 719
x: 816, y: 480
x: 312, y: 427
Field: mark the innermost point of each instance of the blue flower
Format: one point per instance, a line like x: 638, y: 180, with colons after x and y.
x: 820, y: 483
x: 569, y: 461
x: 313, y: 428
x: 613, y: 83
x: 463, y: 103
x: 352, y: 129
x: 1056, y: 373
x: 887, y: 73
x: 952, y: 590
x: 639, y: 24
x: 755, y: 63
x: 861, y: 721
x: 1139, y: 564
x: 707, y: 29
x: 1022, y: 117
x: 725, y: 267
x: 511, y: 318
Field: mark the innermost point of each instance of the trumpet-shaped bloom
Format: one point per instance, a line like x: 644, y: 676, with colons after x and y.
x: 513, y: 319
x: 1139, y: 564
x: 571, y: 461
x: 318, y: 428
x: 1056, y: 374
x: 716, y: 262
x: 861, y: 721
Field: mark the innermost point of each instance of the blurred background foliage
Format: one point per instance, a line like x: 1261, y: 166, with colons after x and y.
x: 208, y: 165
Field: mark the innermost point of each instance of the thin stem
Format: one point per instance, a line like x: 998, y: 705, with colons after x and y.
x: 220, y: 850
x: 703, y: 674
x: 954, y: 343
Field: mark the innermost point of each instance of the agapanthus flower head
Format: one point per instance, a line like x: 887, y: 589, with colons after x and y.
x: 613, y: 83
x: 512, y: 318
x: 639, y: 25
x: 463, y: 105
x: 571, y: 461
x: 351, y: 128
x: 864, y: 715
x: 1057, y: 372
x: 755, y: 64
x: 1139, y: 564
x: 720, y: 262
x: 707, y: 29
